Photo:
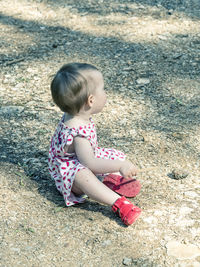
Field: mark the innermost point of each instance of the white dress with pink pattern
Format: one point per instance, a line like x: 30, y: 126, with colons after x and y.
x: 64, y: 166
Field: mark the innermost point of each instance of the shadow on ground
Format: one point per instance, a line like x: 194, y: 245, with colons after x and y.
x: 187, y: 7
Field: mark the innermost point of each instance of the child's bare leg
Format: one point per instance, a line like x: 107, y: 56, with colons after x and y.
x: 86, y: 182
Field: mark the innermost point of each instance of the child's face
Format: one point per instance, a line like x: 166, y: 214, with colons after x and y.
x: 99, y: 94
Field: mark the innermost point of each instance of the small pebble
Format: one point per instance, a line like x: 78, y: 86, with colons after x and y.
x: 178, y: 174
x: 127, y: 261
x: 17, y: 250
x: 143, y: 81
x: 106, y: 243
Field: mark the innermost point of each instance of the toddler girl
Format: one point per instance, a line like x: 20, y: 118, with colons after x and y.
x: 75, y: 159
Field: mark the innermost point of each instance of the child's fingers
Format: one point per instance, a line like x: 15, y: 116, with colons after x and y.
x: 131, y: 174
x: 134, y: 172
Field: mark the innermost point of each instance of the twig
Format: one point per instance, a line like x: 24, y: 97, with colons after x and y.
x: 13, y: 61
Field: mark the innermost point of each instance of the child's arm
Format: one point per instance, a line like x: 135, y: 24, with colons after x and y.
x: 86, y: 157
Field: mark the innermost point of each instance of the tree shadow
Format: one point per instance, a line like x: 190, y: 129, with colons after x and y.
x: 132, y: 7
x: 157, y: 56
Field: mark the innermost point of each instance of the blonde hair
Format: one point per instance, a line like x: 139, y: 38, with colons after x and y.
x: 70, y: 88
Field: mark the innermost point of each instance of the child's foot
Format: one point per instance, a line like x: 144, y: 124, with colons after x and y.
x: 126, y: 210
x: 125, y: 187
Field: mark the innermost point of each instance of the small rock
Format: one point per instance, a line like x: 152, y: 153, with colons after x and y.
x: 177, y: 56
x: 170, y: 12
x: 184, y: 223
x: 28, y: 194
x: 106, y: 243
x: 178, y: 174
x: 185, y: 210
x: 41, y: 256
x: 33, y: 160
x: 163, y: 37
x: 17, y: 250
x: 191, y: 194
x: 182, y: 35
x: 143, y: 81
x: 122, y: 89
x: 182, y: 251
x: 144, y: 63
x: 31, y: 103
x: 127, y: 261
x: 150, y: 220
x: 67, y: 228
x: 54, y: 45
x: 133, y: 133
x: 98, y: 40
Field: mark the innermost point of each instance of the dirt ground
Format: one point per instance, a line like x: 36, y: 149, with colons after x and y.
x: 149, y: 54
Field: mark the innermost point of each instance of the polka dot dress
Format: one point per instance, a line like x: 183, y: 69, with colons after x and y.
x: 63, y: 166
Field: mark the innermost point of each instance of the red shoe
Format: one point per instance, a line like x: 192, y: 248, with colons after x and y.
x: 125, y: 187
x: 126, y: 210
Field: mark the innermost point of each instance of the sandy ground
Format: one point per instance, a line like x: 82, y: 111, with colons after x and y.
x: 148, y: 52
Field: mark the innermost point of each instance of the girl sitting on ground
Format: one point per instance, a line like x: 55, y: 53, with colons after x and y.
x: 75, y: 159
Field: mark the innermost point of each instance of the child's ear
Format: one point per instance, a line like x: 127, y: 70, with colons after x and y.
x: 90, y: 100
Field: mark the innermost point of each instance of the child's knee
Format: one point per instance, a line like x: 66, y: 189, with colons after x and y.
x: 76, y: 190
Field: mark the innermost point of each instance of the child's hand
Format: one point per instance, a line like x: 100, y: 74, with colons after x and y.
x: 128, y: 170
